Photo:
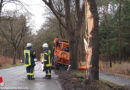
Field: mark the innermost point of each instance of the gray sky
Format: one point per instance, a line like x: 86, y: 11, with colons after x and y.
x: 37, y: 9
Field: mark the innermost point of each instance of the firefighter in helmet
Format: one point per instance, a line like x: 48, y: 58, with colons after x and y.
x: 29, y: 56
x: 47, y: 61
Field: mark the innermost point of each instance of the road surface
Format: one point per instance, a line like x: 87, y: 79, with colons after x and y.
x: 115, y: 78
x: 15, y: 79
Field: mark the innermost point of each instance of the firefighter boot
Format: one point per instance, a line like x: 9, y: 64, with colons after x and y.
x: 32, y: 77
x: 28, y: 77
x: 49, y: 77
x: 45, y: 77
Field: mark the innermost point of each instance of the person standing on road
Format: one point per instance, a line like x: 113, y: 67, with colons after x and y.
x: 29, y: 56
x: 47, y: 61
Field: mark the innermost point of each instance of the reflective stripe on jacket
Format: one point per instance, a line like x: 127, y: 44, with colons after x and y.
x: 47, y: 58
x: 29, y: 56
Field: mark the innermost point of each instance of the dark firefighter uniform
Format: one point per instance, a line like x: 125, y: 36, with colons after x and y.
x: 47, y: 62
x: 29, y: 56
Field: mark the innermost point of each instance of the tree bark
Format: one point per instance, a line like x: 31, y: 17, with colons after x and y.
x: 1, y: 2
x: 74, y: 44
x: 92, y: 72
x: 73, y: 40
x: 61, y: 31
x: 1, y: 5
x: 108, y: 49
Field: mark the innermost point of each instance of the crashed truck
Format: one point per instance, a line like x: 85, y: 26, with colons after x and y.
x: 61, y: 55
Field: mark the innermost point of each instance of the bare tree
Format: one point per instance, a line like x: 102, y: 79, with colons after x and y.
x: 13, y: 30
x: 92, y: 50
x: 72, y: 30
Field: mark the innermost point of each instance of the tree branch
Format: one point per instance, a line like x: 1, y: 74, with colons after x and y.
x: 80, y: 14
x: 20, y: 35
x: 57, y: 14
x: 77, y: 8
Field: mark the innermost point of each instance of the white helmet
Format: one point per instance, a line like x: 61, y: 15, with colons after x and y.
x: 29, y: 45
x: 45, y: 45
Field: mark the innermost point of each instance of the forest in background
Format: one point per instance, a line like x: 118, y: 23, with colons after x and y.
x: 114, y: 32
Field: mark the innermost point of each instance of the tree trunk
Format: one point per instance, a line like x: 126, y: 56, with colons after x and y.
x: 1, y: 2
x: 119, y: 29
x: 92, y: 72
x: 74, y: 42
x: 61, y: 31
x: 108, y: 49
x: 14, y: 56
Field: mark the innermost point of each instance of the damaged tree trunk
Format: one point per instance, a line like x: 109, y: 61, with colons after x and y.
x: 92, y: 72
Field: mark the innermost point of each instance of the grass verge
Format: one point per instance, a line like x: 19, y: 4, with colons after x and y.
x: 8, y: 66
x: 75, y: 80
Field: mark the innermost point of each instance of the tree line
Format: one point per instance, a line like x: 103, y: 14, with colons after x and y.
x: 13, y: 31
x: 98, y: 29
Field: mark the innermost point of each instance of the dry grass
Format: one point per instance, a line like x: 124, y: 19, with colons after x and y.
x: 5, y: 61
x: 8, y: 66
x: 117, y: 68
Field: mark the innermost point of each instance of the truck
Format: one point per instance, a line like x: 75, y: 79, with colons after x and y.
x: 61, y: 53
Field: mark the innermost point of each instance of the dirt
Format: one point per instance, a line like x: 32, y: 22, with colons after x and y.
x: 75, y: 80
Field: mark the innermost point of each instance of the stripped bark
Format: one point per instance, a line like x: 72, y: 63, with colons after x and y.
x: 92, y: 72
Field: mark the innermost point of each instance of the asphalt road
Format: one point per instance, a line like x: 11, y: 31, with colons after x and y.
x: 120, y: 80
x: 15, y: 79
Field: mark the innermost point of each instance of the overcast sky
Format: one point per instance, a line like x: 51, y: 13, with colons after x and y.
x: 37, y: 9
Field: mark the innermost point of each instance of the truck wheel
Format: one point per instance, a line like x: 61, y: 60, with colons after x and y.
x: 57, y: 67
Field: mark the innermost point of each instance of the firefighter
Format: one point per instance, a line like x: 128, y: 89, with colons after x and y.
x: 47, y: 61
x: 29, y: 56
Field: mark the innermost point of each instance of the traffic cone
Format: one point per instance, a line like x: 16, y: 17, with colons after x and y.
x: 1, y: 79
x: 2, y: 84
